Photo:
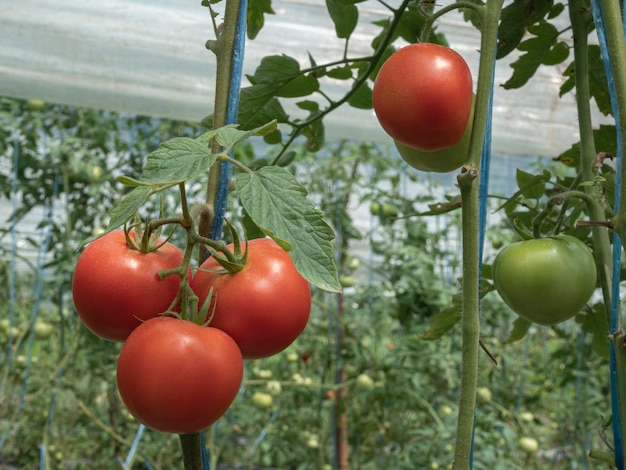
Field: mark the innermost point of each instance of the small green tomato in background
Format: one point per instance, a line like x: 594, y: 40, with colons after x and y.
x: 483, y: 393
x: 43, y: 330
x: 364, y: 382
x: 262, y: 400
x: 528, y: 445
x: 273, y: 387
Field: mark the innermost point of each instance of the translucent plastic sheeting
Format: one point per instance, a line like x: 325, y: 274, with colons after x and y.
x: 149, y: 57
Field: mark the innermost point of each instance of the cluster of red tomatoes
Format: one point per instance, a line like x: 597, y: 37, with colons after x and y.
x: 423, y: 99
x: 176, y: 375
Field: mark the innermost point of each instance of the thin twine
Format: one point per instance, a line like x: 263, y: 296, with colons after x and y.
x: 618, y: 440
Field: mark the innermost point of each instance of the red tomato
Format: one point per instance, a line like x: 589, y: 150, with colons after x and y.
x: 423, y: 96
x: 176, y: 376
x: 265, y: 306
x: 116, y: 287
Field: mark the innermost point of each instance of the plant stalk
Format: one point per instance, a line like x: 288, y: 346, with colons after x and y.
x: 616, y: 44
x: 192, y: 451
x: 224, y: 52
x: 468, y: 184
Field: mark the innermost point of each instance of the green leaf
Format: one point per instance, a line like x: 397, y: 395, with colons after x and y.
x: 520, y: 328
x: 540, y: 49
x: 531, y: 186
x: 177, y: 160
x: 302, y: 85
x: 258, y: 105
x: 345, y: 16
x: 275, y: 69
x: 443, y: 322
x: 605, y: 138
x: 361, y: 98
x: 128, y: 206
x: 594, y: 323
x: 229, y: 136
x: 276, y: 202
x: 255, y: 17
x: 597, y: 80
x: 514, y: 19
x: 340, y: 73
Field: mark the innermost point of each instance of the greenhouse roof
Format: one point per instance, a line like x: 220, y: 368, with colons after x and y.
x: 149, y: 57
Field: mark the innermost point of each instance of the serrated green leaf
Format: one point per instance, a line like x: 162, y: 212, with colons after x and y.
x: 520, y: 328
x: 276, y: 202
x: 514, y: 19
x: 176, y: 160
x: 605, y: 138
x: 258, y: 105
x: 594, y: 323
x: 255, y: 16
x: 443, y: 322
x: 302, y: 85
x: 597, y: 80
x: 345, y: 16
x: 361, y: 98
x: 537, y: 50
x: 531, y: 186
x: 229, y: 136
x: 275, y: 69
x: 340, y: 73
x: 128, y: 206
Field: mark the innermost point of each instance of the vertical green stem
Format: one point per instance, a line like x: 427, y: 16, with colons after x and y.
x: 617, y: 52
x: 601, y: 241
x: 224, y: 52
x: 468, y: 184
x: 191, y: 443
x: 192, y: 451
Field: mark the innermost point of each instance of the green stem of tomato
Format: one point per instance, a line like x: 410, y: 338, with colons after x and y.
x: 192, y: 451
x: 224, y: 52
x: 468, y: 184
x: 617, y: 52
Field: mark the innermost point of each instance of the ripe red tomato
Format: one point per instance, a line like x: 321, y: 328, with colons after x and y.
x: 265, y: 306
x: 442, y: 160
x: 176, y: 376
x: 423, y: 96
x: 545, y: 280
x: 116, y: 287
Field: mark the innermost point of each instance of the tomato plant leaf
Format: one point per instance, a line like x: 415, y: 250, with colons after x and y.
x: 520, y: 328
x: 228, y: 136
x: 514, y: 20
x: 255, y: 16
x: 597, y: 80
x: 361, y: 98
x: 128, y: 206
x: 605, y: 138
x: 345, y: 16
x: 258, y: 105
x: 531, y: 186
x: 276, y: 202
x: 542, y: 48
x: 594, y: 323
x: 175, y: 161
x: 443, y: 322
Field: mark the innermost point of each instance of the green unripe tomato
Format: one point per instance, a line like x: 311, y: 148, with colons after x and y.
x: 528, y: 445
x: 262, y: 400
x: 546, y: 280
x: 43, y: 330
x: 364, y: 382
x: 443, y: 160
